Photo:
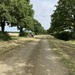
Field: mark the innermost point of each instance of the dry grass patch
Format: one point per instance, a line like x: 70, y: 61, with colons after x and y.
x: 17, y: 41
x: 66, y: 51
x: 71, y: 41
x: 13, y: 34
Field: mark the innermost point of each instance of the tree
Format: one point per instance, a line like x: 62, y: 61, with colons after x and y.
x: 63, y: 17
x: 38, y: 29
x: 4, y: 13
x: 23, y: 13
x: 17, y: 13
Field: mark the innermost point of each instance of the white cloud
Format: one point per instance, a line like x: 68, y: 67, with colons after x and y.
x: 43, y: 10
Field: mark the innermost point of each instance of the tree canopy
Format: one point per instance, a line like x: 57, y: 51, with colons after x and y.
x: 38, y: 29
x: 63, y: 17
x: 16, y: 13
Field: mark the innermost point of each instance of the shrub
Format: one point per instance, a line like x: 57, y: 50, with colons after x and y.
x: 23, y: 34
x: 4, y: 36
x: 73, y: 36
x: 64, y: 35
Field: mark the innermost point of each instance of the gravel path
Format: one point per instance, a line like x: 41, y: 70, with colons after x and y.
x: 34, y: 58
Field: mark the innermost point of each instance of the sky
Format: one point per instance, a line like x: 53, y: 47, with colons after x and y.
x: 11, y: 29
x: 43, y: 9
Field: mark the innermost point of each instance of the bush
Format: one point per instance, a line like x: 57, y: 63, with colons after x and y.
x: 64, y: 35
x: 73, y: 36
x: 26, y: 34
x: 4, y: 36
x: 23, y: 34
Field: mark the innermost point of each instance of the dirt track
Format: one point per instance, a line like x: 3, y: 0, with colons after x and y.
x: 34, y: 58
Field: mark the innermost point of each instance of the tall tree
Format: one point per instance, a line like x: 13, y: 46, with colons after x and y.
x: 38, y: 29
x: 16, y: 12
x: 4, y: 13
x: 63, y: 16
x: 23, y: 13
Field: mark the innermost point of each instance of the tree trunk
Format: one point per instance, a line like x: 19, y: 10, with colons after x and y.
x: 21, y: 31
x: 74, y: 24
x: 2, y: 25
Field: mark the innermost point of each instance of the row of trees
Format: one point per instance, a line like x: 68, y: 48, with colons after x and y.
x: 18, y: 13
x: 63, y: 18
x: 38, y: 29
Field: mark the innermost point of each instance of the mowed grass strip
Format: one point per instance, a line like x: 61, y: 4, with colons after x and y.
x: 16, y: 41
x: 66, y: 51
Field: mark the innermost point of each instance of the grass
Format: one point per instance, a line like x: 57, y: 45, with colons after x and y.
x: 71, y: 41
x: 13, y: 34
x: 16, y: 41
x: 66, y: 51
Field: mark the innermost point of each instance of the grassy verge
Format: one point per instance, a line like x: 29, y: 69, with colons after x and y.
x: 6, y: 46
x: 66, y: 51
x: 71, y: 42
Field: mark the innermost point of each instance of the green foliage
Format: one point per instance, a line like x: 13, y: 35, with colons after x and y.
x: 45, y: 32
x: 73, y: 36
x: 26, y: 34
x: 17, y: 12
x: 24, y: 15
x: 63, y: 17
x: 38, y: 29
x: 28, y: 21
x: 4, y: 36
x: 23, y: 34
x: 64, y: 35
